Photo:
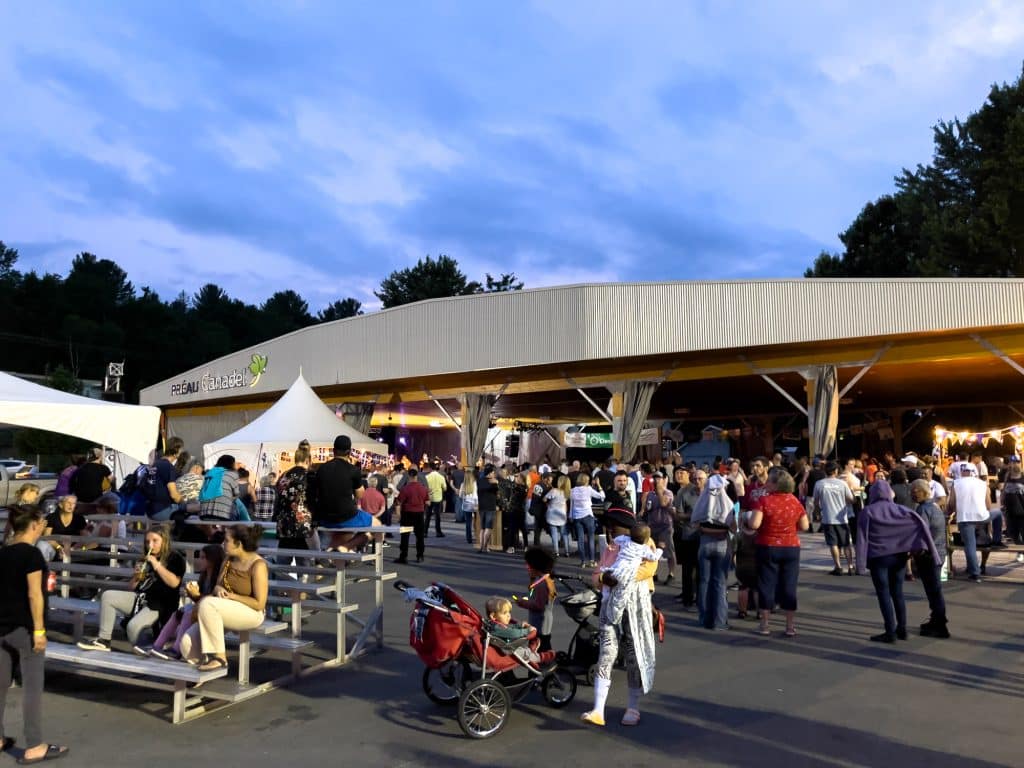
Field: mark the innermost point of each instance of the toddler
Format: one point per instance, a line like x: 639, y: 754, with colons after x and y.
x: 500, y: 625
x: 633, y: 550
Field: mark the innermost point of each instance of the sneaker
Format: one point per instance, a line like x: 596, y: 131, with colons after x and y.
x: 142, y: 650
x: 836, y: 572
x: 934, y: 630
x: 901, y: 634
x: 883, y: 638
x: 975, y: 579
x: 1020, y: 557
x: 95, y: 644
x: 166, y: 655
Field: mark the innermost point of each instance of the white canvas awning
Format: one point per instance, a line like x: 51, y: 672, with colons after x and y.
x: 298, y: 415
x: 130, y: 429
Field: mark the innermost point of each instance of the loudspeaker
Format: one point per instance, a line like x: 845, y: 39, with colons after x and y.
x: 511, y: 446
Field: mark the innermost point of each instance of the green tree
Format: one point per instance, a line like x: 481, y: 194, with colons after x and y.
x: 284, y: 312
x: 428, y: 279
x: 8, y: 258
x: 339, y: 310
x: 961, y: 216
x: 506, y: 282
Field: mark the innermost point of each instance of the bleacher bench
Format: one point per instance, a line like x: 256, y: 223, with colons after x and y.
x: 133, y: 670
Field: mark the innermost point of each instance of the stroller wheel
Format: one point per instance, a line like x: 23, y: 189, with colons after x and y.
x: 559, y: 688
x: 484, y: 708
x: 591, y: 674
x: 444, y: 685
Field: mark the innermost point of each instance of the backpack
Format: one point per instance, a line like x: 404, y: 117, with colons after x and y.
x: 213, y: 485
x: 146, y: 481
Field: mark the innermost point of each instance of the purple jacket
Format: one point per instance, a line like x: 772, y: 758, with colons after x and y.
x: 887, y: 528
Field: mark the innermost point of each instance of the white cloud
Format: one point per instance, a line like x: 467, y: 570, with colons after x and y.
x: 248, y: 146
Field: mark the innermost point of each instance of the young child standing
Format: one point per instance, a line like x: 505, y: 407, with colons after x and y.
x: 540, y: 601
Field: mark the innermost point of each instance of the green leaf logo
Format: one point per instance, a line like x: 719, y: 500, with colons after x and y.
x: 257, y: 368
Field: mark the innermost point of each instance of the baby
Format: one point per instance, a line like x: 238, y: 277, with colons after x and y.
x: 633, y: 550
x: 500, y: 625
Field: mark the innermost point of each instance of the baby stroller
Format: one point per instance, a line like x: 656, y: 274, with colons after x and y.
x: 479, y: 673
x: 583, y: 606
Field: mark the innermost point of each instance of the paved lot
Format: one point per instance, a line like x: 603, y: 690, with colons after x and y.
x: 826, y: 698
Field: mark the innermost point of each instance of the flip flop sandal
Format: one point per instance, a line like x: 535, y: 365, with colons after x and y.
x: 632, y: 717
x: 53, y: 752
x: 212, y: 665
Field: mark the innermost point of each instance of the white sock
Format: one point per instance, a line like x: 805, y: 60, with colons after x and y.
x: 601, y: 687
x: 634, y: 698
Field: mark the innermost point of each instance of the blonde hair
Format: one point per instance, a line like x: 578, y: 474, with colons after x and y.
x: 301, y: 455
x: 565, y: 486
x: 496, y: 604
x: 582, y: 479
x: 25, y: 489
x: 469, y: 482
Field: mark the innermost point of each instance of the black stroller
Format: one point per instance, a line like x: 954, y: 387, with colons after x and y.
x: 583, y: 606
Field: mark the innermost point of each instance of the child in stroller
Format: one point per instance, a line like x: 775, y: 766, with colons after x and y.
x: 468, y: 662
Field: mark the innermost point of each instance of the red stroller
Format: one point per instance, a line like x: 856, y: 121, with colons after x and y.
x: 467, y: 666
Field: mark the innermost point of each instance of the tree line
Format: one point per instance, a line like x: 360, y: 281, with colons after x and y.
x: 962, y: 215
x: 95, y: 315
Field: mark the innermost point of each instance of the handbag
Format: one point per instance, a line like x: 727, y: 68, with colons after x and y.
x: 658, y: 619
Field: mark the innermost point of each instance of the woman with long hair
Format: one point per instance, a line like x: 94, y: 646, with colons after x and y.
x: 152, y: 599
x: 557, y: 500
x: 167, y: 645
x: 238, y: 601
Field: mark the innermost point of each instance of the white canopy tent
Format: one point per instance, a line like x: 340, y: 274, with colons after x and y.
x: 129, y: 429
x: 262, y: 445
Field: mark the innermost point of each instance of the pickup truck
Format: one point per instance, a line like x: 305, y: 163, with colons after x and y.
x: 9, y: 486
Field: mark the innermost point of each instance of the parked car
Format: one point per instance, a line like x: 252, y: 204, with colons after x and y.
x: 11, y: 481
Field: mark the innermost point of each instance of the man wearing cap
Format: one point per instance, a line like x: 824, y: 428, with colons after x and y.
x: 337, y: 488
x: 913, y: 468
x: 968, y: 503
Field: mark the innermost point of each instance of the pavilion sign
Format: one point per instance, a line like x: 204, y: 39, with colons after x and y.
x: 648, y: 436
x: 236, y: 378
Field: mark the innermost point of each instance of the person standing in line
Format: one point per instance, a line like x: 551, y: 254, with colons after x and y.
x: 715, y: 518
x: 833, y: 499
x: 412, y: 503
x: 687, y: 533
x: 582, y: 498
x: 23, y: 576
x: 437, y: 483
x: 968, y: 502
x: 469, y: 502
x: 928, y: 569
x: 777, y: 518
x: 487, y: 498
x: 887, y: 532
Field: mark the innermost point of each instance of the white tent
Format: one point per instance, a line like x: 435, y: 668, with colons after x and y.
x: 130, y: 429
x: 298, y: 415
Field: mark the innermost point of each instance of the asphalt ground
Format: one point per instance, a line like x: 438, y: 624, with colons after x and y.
x: 828, y: 697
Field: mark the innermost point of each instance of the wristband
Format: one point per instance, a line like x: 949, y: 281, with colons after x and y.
x: 39, y: 632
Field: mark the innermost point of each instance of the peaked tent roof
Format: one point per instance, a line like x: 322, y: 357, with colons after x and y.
x: 130, y: 429
x: 298, y: 415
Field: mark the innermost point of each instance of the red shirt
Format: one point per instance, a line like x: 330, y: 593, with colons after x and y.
x: 756, y: 490
x: 413, y: 497
x: 778, y: 526
x: 373, y: 501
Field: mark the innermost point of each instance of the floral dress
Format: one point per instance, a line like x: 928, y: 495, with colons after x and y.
x: 294, y: 520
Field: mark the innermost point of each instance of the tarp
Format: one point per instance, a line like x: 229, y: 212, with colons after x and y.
x: 298, y: 415
x: 130, y: 429
x: 824, y: 417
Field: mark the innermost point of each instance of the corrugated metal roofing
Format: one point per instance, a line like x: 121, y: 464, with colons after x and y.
x: 597, y: 322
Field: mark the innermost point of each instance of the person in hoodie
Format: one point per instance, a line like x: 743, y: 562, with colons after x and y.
x: 886, y: 533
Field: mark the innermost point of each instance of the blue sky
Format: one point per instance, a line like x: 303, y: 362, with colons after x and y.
x: 318, y: 146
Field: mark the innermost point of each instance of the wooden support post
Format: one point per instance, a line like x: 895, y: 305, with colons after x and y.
x: 616, y: 414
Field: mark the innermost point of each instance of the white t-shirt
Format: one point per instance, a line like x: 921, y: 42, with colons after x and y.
x: 971, y: 500
x: 938, y: 490
x: 834, y: 498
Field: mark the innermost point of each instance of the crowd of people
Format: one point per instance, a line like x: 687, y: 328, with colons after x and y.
x: 888, y: 518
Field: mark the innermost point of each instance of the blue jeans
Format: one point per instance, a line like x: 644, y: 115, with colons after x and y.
x: 969, y: 536
x: 585, y: 537
x: 559, y: 532
x: 164, y: 514
x: 887, y: 574
x: 468, y: 514
x: 712, y: 594
x: 995, y: 516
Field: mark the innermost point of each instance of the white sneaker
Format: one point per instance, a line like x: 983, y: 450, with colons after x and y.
x: 1020, y: 557
x: 95, y: 644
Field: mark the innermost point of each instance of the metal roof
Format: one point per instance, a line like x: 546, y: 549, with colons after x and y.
x: 578, y: 323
